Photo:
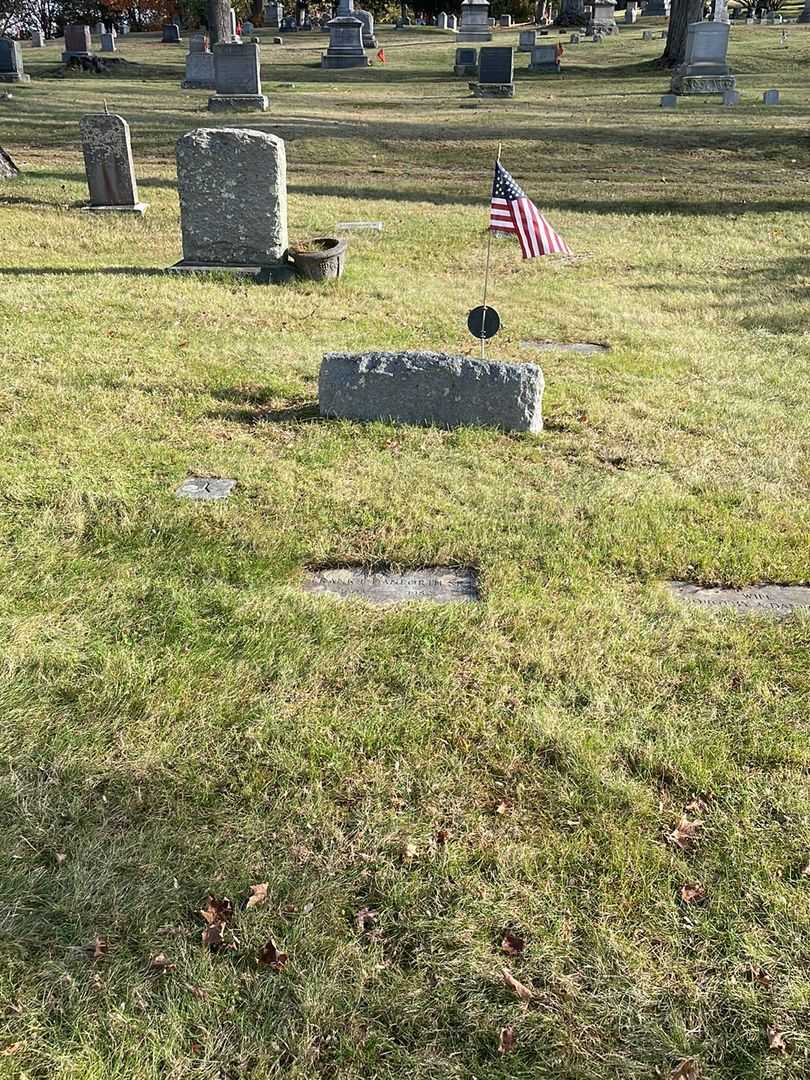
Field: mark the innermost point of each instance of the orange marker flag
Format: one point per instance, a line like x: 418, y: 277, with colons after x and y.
x: 381, y: 56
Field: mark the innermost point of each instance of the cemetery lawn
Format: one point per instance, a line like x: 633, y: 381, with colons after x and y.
x: 178, y: 718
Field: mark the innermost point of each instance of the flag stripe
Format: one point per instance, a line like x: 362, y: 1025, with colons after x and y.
x: 511, y: 210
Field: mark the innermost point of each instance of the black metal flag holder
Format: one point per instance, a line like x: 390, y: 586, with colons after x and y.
x: 484, y: 322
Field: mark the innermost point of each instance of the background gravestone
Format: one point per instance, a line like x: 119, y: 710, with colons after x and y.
x: 237, y: 78
x: 77, y: 42
x: 496, y: 70
x: 545, y: 60
x: 37, y: 39
x: 108, y: 42
x: 527, y: 39
x: 11, y: 62
x: 199, y: 65
x: 171, y: 34
x: 345, y: 44
x: 466, y: 62
x: 705, y: 69
x: 273, y: 15
x: 475, y: 21
x: 232, y: 184
x: 108, y: 163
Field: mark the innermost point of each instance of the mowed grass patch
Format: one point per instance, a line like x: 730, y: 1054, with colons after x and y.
x: 180, y: 718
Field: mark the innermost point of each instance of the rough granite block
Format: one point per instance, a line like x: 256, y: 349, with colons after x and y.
x: 431, y: 388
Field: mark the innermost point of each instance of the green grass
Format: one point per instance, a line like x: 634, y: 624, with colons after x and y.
x: 179, y: 718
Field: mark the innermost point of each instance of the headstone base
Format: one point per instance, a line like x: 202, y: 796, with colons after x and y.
x: 496, y: 90
x: 338, y: 62
x: 136, y: 208
x: 703, y: 84
x: 465, y: 69
x: 238, y: 103
x: 68, y: 56
x: 474, y: 35
x: 262, y: 275
x: 13, y: 77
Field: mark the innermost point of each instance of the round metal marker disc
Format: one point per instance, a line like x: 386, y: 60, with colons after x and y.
x: 483, y: 322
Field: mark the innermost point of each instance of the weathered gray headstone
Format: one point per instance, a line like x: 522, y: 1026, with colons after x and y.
x: 171, y: 34
x: 11, y: 62
x: 367, y: 19
x: 657, y: 7
x: 647, y: 35
x: 545, y: 60
x: 731, y: 97
x: 705, y: 69
x: 506, y: 21
x: 669, y: 101
x: 776, y: 600
x: 37, y: 39
x: 247, y: 28
x: 496, y: 72
x: 108, y: 163
x: 431, y: 388
x: 603, y: 18
x: 345, y: 44
x: 631, y: 12
x: 232, y: 184
x: 527, y: 39
x: 199, y: 65
x: 273, y: 15
x: 77, y: 42
x: 770, y: 97
x: 466, y: 62
x: 108, y: 42
x: 440, y: 584
x: 441, y: 20
x: 475, y: 21
x: 237, y: 78
x: 452, y: 22
x: 205, y: 488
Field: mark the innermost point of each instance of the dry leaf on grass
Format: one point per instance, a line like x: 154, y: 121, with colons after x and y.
x: 442, y: 836
x: 776, y: 1040
x: 97, y: 949
x: 270, y: 956
x: 517, y: 988
x: 501, y: 808
x: 160, y: 964
x: 760, y: 976
x: 258, y: 896
x: 685, y: 1070
x: 12, y: 1048
x: 410, y: 851
x: 696, y: 806
x: 60, y: 858
x: 692, y: 893
x: 685, y: 833
x: 506, y: 1040
x: 365, y: 920
x: 217, y: 911
x: 512, y: 943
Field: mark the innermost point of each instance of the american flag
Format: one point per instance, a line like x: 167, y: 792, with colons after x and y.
x: 511, y: 210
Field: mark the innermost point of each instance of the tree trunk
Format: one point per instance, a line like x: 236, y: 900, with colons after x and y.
x: 681, y: 14
x: 219, y: 20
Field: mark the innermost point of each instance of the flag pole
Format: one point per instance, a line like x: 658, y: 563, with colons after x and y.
x: 486, y: 272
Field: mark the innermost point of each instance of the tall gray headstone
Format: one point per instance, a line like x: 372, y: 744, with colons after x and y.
x: 199, y: 65
x: 237, y: 78
x: 545, y: 59
x: 475, y: 21
x: 37, y: 39
x: 171, y: 34
x: 273, y: 15
x: 705, y: 69
x: 11, y: 62
x: 496, y: 72
x: 108, y: 163
x: 452, y: 22
x: 77, y: 42
x: 232, y: 184
x: 108, y: 42
x: 345, y: 44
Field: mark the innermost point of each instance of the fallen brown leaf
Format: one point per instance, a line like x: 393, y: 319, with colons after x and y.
x: 760, y: 975
x: 365, y: 920
x: 217, y: 911
x: 442, y: 836
x: 685, y: 833
x: 60, y: 858
x: 696, y: 806
x: 12, y: 1048
x: 506, y: 1040
x: 258, y: 896
x: 776, y: 1040
x: 517, y: 988
x: 501, y: 808
x: 270, y: 956
x: 512, y: 943
x: 692, y: 893
x: 160, y: 963
x: 410, y: 851
x: 685, y: 1070
x: 97, y: 949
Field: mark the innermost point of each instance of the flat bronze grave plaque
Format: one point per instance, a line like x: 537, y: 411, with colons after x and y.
x: 587, y: 348
x: 439, y: 584
x: 776, y: 600
x: 205, y: 488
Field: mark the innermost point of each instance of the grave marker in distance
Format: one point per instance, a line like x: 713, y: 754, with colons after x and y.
x: 108, y: 164
x: 496, y: 72
x: 237, y: 78
x: 11, y: 62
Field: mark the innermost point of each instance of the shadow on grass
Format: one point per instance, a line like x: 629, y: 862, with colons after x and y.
x: 256, y: 409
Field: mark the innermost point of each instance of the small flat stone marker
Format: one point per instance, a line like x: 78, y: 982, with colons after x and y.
x: 586, y: 348
x: 776, y: 600
x: 731, y: 97
x: 770, y: 97
x: 205, y: 488
x: 359, y: 226
x: 669, y: 101
x: 440, y: 584
x: 431, y: 388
